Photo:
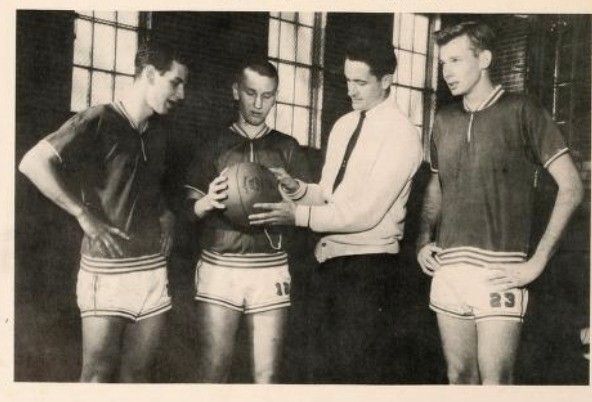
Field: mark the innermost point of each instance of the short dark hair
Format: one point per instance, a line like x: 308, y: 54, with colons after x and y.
x: 378, y: 54
x: 160, y: 56
x: 480, y: 34
x: 260, y: 65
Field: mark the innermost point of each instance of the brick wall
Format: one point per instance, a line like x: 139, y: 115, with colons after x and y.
x: 510, y: 67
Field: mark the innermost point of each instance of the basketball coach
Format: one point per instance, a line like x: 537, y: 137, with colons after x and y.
x: 358, y: 207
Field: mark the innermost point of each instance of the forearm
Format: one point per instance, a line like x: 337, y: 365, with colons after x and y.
x: 430, y: 213
x: 337, y: 217
x: 362, y: 202
x: 41, y: 167
x: 190, y: 206
x: 567, y: 200
x: 369, y: 192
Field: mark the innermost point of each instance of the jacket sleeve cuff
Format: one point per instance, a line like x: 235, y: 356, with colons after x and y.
x: 296, y: 195
x: 302, y: 215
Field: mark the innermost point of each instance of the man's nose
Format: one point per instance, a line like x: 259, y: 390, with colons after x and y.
x: 258, y: 102
x: 446, y: 73
x: 180, y: 93
x: 351, y: 90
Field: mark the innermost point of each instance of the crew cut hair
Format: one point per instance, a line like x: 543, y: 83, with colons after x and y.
x: 480, y: 34
x: 260, y: 65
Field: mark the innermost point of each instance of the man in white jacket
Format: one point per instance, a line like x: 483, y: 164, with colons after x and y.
x: 358, y: 207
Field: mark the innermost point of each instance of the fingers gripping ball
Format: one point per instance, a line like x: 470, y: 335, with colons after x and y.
x: 248, y: 184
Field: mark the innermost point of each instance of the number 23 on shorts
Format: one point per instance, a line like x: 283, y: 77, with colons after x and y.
x: 505, y: 299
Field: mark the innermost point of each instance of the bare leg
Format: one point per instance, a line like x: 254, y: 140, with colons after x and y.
x: 101, y: 347
x: 498, y: 346
x: 267, y: 333
x: 140, y: 342
x: 459, y: 342
x: 216, y: 326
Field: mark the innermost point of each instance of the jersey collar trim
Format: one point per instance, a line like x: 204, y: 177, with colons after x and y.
x: 238, y: 130
x: 497, y: 92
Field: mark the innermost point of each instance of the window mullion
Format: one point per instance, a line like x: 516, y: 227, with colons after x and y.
x: 294, y: 109
x: 115, y: 72
x: 91, y: 62
x: 121, y: 32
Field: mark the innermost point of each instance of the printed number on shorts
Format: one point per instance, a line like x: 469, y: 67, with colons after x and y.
x: 281, y: 291
x: 495, y: 299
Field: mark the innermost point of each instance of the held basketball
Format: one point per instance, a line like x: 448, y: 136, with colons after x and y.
x: 248, y: 184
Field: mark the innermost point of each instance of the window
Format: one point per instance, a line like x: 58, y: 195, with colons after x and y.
x: 414, y: 83
x: 104, y: 50
x: 296, y: 49
x: 571, y: 83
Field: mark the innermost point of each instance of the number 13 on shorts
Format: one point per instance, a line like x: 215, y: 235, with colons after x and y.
x: 282, y: 290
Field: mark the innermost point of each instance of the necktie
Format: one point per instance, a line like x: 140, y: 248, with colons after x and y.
x: 350, y: 147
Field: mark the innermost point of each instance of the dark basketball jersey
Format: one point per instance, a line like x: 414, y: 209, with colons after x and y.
x: 118, y: 172
x: 230, y: 147
x: 487, y: 161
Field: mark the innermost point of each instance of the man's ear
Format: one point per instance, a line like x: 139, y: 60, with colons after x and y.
x: 485, y: 59
x: 386, y: 81
x: 235, y: 91
x: 150, y: 73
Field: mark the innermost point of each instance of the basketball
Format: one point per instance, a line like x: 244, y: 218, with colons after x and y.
x: 248, y: 184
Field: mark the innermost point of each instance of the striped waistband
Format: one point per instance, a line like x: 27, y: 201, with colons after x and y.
x: 260, y: 260
x: 477, y: 257
x: 122, y: 265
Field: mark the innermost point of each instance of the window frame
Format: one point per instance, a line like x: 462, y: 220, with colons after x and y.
x: 429, y: 88
x: 142, y: 31
x: 316, y: 68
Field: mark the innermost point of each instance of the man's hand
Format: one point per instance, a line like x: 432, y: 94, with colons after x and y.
x: 217, y: 192
x: 102, y: 233
x: 280, y: 213
x: 514, y: 275
x: 287, y: 182
x: 426, y: 259
x: 167, y: 229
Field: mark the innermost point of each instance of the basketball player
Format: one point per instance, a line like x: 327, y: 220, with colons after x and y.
x: 487, y: 152
x: 116, y: 151
x: 242, y: 272
x: 359, y: 209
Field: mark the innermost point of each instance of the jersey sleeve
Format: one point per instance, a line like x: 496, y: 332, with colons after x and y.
x: 75, y: 141
x: 544, y: 137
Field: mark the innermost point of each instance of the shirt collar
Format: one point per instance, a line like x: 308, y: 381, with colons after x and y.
x: 120, y: 108
x: 238, y: 130
x: 377, y: 108
x: 493, y: 97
